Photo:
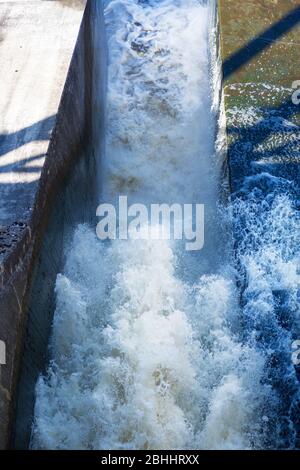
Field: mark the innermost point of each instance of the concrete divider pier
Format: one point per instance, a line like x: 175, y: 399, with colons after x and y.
x: 44, y: 107
x: 259, y: 49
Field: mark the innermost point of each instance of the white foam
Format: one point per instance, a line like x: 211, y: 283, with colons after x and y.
x: 143, y: 349
x: 140, y: 360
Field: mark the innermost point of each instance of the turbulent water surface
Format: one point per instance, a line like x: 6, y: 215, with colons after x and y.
x: 151, y: 345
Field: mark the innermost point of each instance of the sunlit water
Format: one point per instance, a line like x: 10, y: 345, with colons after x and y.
x: 150, y: 346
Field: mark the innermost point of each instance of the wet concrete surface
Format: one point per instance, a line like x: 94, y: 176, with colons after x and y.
x: 260, y: 48
x: 44, y: 110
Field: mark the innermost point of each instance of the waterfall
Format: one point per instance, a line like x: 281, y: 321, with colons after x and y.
x: 151, y: 347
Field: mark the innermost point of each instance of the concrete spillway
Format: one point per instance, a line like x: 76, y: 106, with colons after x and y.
x: 150, y: 346
x: 46, y: 128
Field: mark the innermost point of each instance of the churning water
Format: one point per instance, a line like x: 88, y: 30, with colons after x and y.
x: 151, y: 347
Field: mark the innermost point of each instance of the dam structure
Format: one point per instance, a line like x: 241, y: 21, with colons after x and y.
x: 136, y: 342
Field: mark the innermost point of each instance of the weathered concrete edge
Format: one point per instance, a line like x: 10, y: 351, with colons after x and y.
x: 268, y: 93
x: 68, y: 138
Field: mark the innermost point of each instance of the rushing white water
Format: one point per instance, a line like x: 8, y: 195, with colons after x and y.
x: 147, y: 346
x: 266, y: 222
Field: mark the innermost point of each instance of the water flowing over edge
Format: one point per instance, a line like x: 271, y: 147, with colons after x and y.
x: 144, y: 356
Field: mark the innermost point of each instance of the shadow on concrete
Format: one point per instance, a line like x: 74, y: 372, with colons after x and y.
x: 19, y: 174
x: 282, y: 158
x: 261, y: 42
x: 21, y: 165
x: 41, y: 130
x: 243, y: 153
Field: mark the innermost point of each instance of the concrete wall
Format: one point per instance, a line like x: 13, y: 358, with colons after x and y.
x: 62, y: 193
x: 259, y: 49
